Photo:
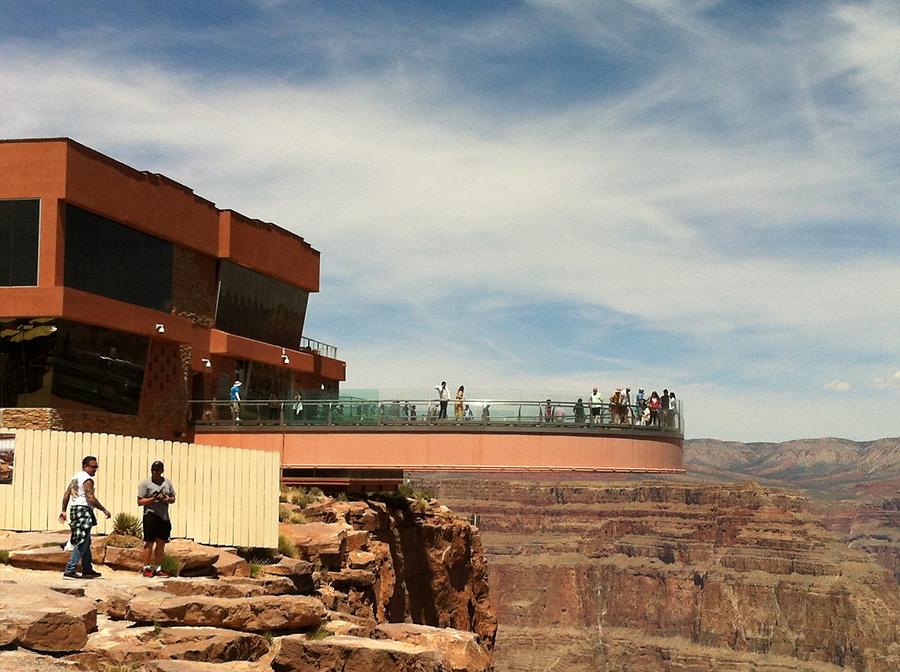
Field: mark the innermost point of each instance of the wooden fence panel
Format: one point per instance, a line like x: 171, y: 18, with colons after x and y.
x: 226, y: 496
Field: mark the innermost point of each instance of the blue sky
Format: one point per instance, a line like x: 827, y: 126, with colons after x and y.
x: 539, y: 195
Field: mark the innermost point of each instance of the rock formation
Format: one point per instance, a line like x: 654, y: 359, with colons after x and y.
x: 389, y: 585
x: 665, y: 576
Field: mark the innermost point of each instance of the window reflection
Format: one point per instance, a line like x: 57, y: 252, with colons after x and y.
x: 56, y: 363
x: 259, y: 307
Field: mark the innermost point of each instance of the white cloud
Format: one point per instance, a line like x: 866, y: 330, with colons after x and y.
x: 837, y: 386
x: 891, y: 381
x: 619, y: 203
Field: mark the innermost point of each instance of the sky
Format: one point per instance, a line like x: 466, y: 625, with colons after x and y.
x: 537, y: 196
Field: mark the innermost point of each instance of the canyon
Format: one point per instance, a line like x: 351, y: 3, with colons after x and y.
x: 669, y: 576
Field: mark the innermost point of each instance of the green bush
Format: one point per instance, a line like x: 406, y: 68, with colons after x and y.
x: 319, y: 633
x: 4, y: 557
x: 123, y: 541
x: 171, y: 565
x: 286, y: 547
x: 298, y: 518
x: 255, y: 569
x: 127, y: 525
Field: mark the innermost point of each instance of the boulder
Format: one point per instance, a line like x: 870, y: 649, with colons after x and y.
x: 342, y: 627
x: 216, y: 588
x: 24, y: 541
x: 215, y: 645
x: 192, y: 556
x: 68, y: 589
x: 325, y: 540
x: 128, y: 559
x: 253, y: 614
x: 22, y: 660
x: 361, y: 559
x: 462, y: 651
x: 116, y: 643
x: 273, y: 585
x: 343, y: 654
x: 194, y: 666
x: 349, y: 578
x: 357, y: 540
x: 48, y: 559
x: 300, y: 572
x: 42, y: 619
x: 231, y: 564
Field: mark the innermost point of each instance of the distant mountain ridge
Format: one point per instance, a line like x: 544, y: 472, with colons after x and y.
x: 826, y: 467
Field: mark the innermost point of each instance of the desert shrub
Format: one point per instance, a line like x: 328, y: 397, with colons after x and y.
x: 298, y: 518
x: 319, y: 633
x: 255, y: 569
x: 4, y: 557
x: 171, y: 565
x: 123, y: 541
x: 127, y: 525
x: 259, y: 556
x: 286, y: 547
x: 284, y: 514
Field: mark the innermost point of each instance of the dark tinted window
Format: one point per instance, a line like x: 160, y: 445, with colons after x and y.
x: 107, y: 258
x: 259, y: 307
x: 55, y: 363
x: 19, y: 231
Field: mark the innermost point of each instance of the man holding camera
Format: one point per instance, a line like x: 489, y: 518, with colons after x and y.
x: 155, y: 494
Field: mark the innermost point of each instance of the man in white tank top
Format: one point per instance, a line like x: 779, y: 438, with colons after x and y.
x: 81, y: 496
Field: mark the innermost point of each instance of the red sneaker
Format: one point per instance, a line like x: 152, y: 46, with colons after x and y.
x: 148, y: 572
x: 161, y: 574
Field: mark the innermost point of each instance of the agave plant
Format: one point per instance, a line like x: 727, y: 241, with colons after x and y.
x: 128, y: 525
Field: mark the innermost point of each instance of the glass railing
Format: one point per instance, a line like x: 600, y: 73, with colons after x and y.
x: 317, y: 347
x: 474, y: 414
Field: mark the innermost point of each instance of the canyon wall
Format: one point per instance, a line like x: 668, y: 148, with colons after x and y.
x: 667, y: 576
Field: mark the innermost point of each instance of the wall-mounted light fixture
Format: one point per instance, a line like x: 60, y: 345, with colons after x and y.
x: 206, y: 363
x: 284, y: 357
x: 160, y: 328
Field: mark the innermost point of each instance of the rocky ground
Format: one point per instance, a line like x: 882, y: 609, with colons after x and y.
x: 373, y: 586
x: 675, y: 577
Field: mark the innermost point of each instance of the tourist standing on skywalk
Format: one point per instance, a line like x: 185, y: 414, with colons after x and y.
x: 444, y: 397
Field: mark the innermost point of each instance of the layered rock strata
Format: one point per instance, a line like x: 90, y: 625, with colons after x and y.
x: 661, y: 576
x: 390, y: 586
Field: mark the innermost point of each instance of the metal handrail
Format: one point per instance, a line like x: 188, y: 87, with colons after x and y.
x: 317, y: 347
x: 427, y: 413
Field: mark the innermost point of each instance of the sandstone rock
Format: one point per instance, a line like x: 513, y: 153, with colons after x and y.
x: 461, y: 651
x: 214, y: 645
x: 68, y: 589
x: 356, y: 540
x: 192, y: 556
x: 253, y: 614
x: 361, y: 559
x: 22, y: 660
x: 24, y: 541
x: 272, y: 585
x: 346, y: 654
x: 128, y: 559
x: 342, y: 627
x: 349, y: 578
x: 231, y: 564
x: 48, y: 559
x: 43, y: 620
x: 325, y: 540
x: 117, y: 643
x: 184, y: 586
x: 300, y: 572
x: 194, y: 666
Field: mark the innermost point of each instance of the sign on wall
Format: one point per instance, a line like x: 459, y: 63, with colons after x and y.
x: 7, y: 458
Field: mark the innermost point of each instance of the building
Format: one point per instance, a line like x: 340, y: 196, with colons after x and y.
x: 123, y: 295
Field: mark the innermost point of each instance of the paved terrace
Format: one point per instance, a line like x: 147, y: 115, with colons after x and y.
x: 408, y: 435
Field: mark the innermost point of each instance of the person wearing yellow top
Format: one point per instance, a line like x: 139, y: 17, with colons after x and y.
x: 458, y: 408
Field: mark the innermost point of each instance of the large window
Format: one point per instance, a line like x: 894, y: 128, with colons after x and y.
x: 19, y: 231
x: 259, y: 307
x: 107, y: 258
x: 59, y: 364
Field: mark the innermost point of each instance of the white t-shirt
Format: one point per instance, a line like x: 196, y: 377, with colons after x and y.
x: 76, y: 489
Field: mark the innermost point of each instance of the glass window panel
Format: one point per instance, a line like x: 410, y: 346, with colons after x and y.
x: 19, y: 233
x: 256, y: 306
x: 107, y: 258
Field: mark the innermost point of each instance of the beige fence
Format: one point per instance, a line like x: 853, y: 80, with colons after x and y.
x: 225, y: 496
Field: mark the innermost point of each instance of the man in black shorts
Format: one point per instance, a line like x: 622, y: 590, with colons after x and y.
x: 155, y: 494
